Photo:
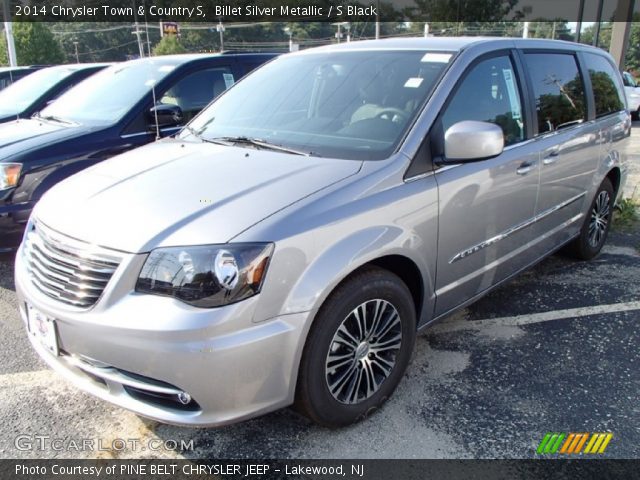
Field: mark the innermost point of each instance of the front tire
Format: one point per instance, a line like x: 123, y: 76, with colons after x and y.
x: 597, y: 223
x: 357, y: 350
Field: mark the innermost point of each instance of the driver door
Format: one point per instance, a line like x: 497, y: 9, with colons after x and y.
x: 486, y: 207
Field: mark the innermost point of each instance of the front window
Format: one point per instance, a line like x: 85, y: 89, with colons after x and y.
x: 20, y: 95
x: 348, y: 104
x: 107, y: 96
x: 489, y: 93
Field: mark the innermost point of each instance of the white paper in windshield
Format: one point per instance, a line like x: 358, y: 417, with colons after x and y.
x: 436, y: 58
x: 413, y: 82
x: 228, y: 80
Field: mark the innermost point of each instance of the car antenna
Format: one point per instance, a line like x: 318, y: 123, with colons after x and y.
x: 155, y: 110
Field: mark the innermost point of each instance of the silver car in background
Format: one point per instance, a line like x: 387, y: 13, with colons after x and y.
x: 286, y: 247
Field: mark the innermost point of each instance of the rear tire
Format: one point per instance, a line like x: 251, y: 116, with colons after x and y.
x: 596, y: 225
x: 358, y: 349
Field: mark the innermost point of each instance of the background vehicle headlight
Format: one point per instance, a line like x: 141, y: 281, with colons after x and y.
x: 9, y: 175
x: 206, y: 276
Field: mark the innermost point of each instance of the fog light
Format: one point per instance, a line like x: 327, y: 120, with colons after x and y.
x: 184, y: 398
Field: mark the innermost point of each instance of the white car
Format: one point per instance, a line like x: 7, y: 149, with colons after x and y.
x: 632, y: 91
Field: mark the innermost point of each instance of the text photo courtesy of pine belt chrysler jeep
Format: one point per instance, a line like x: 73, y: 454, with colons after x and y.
x: 290, y: 242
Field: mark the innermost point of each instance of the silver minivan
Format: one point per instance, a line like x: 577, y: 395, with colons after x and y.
x: 287, y: 246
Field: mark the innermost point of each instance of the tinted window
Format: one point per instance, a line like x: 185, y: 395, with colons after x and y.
x: 108, y: 95
x: 489, y: 93
x: 195, y: 91
x: 347, y: 104
x: 629, y: 81
x: 607, y: 92
x: 20, y: 95
x: 558, y: 90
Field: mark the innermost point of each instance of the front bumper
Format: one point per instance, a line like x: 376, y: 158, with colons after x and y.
x: 13, y: 219
x: 128, y: 345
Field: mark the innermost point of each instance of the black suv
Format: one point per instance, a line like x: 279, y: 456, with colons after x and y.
x: 117, y: 109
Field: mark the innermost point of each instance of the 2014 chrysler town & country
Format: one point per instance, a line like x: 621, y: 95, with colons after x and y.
x: 290, y: 242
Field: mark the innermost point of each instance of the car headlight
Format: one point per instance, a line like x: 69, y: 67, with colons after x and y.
x: 9, y: 175
x: 206, y: 276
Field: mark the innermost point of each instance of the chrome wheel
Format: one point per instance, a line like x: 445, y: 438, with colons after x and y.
x: 363, y: 351
x: 599, y: 219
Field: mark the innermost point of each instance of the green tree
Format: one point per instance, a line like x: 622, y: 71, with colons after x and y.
x: 632, y: 59
x: 558, y: 30
x: 464, y: 10
x: 35, y: 44
x: 169, y: 45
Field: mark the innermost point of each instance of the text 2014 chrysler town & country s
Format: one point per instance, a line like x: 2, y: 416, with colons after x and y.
x: 290, y: 242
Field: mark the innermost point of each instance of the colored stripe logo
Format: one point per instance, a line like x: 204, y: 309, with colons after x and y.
x: 573, y: 443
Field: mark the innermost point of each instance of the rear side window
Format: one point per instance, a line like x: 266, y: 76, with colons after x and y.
x: 607, y: 91
x: 558, y: 90
x: 489, y: 93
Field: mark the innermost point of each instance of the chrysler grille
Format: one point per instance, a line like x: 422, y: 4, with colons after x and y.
x: 71, y: 271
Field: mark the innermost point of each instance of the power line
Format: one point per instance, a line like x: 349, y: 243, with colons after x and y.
x: 108, y: 49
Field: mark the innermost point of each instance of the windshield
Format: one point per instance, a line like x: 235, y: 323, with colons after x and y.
x: 349, y: 104
x: 20, y: 95
x: 107, y: 96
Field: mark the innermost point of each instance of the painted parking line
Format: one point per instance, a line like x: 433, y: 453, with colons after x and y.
x: 541, y: 317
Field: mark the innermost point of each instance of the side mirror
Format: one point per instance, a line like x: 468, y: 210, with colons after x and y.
x: 167, y: 116
x: 470, y: 140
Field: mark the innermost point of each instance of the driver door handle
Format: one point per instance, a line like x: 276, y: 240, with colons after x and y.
x: 552, y: 157
x: 524, y: 168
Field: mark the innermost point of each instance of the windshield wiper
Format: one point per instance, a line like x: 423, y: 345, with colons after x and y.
x: 199, y: 136
x: 260, y: 143
x: 53, y: 118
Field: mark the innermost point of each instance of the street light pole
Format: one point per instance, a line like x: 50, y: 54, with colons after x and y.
x: 8, y: 30
x: 289, y: 32
x: 220, y: 29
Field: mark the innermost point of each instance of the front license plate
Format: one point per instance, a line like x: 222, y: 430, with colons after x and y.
x: 43, y: 328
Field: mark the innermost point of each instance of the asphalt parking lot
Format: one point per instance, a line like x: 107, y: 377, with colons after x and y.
x: 555, y: 350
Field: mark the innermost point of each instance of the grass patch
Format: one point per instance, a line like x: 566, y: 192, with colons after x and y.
x: 626, y: 214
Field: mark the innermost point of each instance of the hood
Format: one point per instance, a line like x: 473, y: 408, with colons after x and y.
x: 172, y: 193
x: 19, y: 136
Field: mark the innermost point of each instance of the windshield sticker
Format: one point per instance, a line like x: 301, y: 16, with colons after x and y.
x: 511, y: 90
x: 228, y: 80
x: 436, y: 58
x: 413, y: 82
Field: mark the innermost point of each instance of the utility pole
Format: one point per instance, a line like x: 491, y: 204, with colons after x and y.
x: 75, y: 44
x: 8, y: 30
x: 426, y: 30
x: 137, y: 32
x: 146, y: 29
x: 525, y: 30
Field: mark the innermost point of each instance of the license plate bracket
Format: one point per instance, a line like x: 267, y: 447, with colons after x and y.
x: 43, y: 329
